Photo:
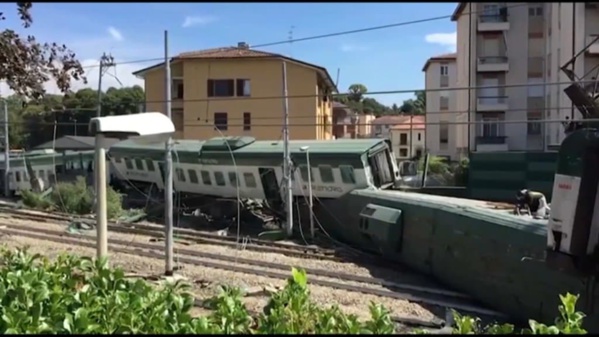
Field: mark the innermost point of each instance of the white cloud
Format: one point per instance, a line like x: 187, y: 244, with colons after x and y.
x: 348, y: 47
x: 448, y: 40
x: 198, y: 20
x: 115, y: 33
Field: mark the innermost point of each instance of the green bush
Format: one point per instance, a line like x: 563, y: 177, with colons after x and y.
x: 77, y: 295
x: 73, y: 198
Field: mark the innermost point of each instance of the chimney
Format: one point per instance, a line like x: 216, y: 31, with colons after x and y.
x: 242, y: 45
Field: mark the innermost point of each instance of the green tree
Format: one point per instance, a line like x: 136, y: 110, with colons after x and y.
x: 356, y: 92
x: 33, y: 123
x: 416, y: 105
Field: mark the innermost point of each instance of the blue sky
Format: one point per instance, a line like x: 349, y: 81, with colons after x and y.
x: 388, y: 59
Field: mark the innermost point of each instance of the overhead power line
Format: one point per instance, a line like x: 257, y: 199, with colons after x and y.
x: 239, y: 125
x: 373, y: 93
x: 323, y: 36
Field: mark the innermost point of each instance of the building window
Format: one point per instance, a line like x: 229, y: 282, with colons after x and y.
x: 247, y: 121
x: 221, y: 88
x: 443, y: 103
x: 535, y: 10
x: 444, y: 70
x: 206, y: 177
x: 250, y: 180
x: 534, y: 127
x: 243, y: 88
x: 221, y: 121
x: 347, y: 174
x: 403, y: 139
x: 443, y: 133
x: 403, y: 153
x: 326, y: 174
x: 177, y: 88
x: 490, y: 127
x: 535, y: 87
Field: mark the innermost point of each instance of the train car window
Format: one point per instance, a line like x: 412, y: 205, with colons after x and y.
x: 18, y: 175
x: 76, y: 165
x: 220, y: 178
x: 139, y: 164
x: 150, y: 165
x: 250, y: 180
x: 180, y: 174
x: 40, y: 174
x: 50, y: 173
x: 304, y: 173
x: 206, y: 177
x: 347, y: 174
x: 128, y: 164
x: 117, y: 160
x: 233, y: 179
x: 326, y: 173
x: 193, y: 176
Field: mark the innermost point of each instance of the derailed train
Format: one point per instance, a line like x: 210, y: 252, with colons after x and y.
x: 471, y: 245
x: 228, y: 167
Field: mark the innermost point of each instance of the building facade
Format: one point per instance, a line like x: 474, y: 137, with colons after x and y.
x: 237, y: 91
x: 510, y: 56
x: 445, y: 136
x: 408, y: 138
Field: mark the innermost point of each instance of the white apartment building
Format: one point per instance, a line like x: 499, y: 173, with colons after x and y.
x: 444, y: 136
x: 501, y: 44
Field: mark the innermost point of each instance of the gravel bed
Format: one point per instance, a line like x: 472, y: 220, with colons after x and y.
x: 205, y: 281
x: 333, y: 266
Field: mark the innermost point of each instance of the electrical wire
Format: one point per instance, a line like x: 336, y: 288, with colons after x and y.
x: 327, y: 35
x: 370, y: 93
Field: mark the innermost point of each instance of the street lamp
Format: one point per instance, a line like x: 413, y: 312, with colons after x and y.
x: 305, y: 149
x: 142, y: 128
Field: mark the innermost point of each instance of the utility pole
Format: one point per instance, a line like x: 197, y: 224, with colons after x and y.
x: 287, y: 155
x: 106, y: 61
x: 168, y: 177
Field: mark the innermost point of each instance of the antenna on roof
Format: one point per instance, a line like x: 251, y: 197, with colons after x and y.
x: 290, y: 39
x: 337, y: 79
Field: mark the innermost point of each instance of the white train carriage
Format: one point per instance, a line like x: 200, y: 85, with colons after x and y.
x: 219, y: 166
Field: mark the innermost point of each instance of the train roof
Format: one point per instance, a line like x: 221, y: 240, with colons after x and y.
x: 248, y: 145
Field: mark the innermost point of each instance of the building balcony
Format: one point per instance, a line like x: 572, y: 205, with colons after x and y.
x: 491, y: 143
x: 493, y: 64
x: 493, y: 22
x: 491, y: 103
x: 594, y: 48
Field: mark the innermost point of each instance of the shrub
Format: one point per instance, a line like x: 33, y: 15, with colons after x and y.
x: 77, y: 295
x: 73, y: 198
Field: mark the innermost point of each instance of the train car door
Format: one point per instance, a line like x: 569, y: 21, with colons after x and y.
x: 270, y: 185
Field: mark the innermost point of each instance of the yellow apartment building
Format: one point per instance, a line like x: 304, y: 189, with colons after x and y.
x: 239, y: 91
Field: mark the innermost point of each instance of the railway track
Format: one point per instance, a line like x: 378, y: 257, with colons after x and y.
x: 193, y: 236
x: 326, y: 278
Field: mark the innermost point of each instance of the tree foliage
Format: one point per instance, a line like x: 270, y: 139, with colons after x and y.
x: 355, y: 99
x: 33, y: 123
x: 28, y: 64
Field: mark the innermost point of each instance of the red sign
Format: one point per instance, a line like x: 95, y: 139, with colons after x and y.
x: 564, y: 186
